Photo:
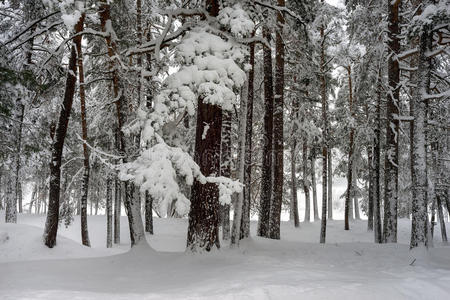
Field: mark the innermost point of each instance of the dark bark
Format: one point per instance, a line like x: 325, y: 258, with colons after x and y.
x: 17, y: 188
x: 51, y: 224
x: 441, y: 218
x: 133, y: 209
x: 378, y: 236
x: 266, y: 172
x: 278, y: 174
x: 117, y: 210
x: 305, y: 181
x: 330, y: 186
x: 371, y: 189
x: 225, y: 170
x: 11, y: 207
x: 392, y: 125
x: 108, y: 212
x: 314, y: 184
x: 294, y: 199
x: 348, y: 194
x: 85, y: 184
x: 148, y: 213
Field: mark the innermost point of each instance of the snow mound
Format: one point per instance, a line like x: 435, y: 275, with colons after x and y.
x: 20, y: 242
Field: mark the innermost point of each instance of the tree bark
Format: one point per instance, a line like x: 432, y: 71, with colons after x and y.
x: 348, y: 194
x: 85, y: 184
x: 371, y: 189
x: 148, y: 213
x: 330, y: 186
x: 392, y: 110
x: 305, y: 181
x: 17, y: 188
x: 51, y: 224
x: 11, y: 207
x: 108, y: 212
x: 441, y: 218
x: 313, y: 183
x: 294, y: 200
x: 266, y: 176
x: 378, y: 235
x: 225, y: 170
x: 117, y: 210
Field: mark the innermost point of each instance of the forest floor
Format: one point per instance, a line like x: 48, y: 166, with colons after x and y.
x: 349, y: 266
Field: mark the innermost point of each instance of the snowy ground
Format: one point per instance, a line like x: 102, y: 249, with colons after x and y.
x: 349, y: 266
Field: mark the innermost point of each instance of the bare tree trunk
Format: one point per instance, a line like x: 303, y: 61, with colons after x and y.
x: 392, y: 110
x: 148, y: 213
x: 313, y: 183
x: 266, y: 176
x: 108, y: 212
x: 305, y: 181
x: 441, y: 218
x: 371, y: 189
x: 51, y: 224
x: 117, y: 206
x: 330, y: 186
x: 248, y: 144
x: 97, y: 200
x: 348, y: 195
x: 18, y: 189
x: 225, y: 170
x: 378, y: 235
x: 294, y: 200
x: 11, y: 207
x: 85, y: 184
x: 354, y: 196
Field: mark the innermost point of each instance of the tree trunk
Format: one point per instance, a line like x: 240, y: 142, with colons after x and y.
x: 266, y: 172
x: 305, y: 181
x: 418, y: 143
x: 97, y: 200
x: 17, y: 188
x: 441, y: 218
x: 51, y: 224
x: 348, y: 194
x: 133, y: 209
x: 392, y: 110
x: 278, y: 175
x: 117, y: 210
x: 248, y: 143
x: 354, y: 196
x: 225, y: 170
x: 11, y: 207
x: 85, y: 184
x: 371, y: 189
x: 313, y: 183
x: 294, y: 200
x: 378, y: 235
x: 330, y: 186
x: 108, y: 212
x: 148, y: 213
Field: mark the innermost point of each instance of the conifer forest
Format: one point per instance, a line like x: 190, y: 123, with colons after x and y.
x: 224, y: 149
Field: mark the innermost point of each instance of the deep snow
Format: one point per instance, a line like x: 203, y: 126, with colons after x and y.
x: 349, y: 266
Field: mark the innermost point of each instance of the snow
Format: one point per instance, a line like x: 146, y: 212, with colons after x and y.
x: 348, y: 266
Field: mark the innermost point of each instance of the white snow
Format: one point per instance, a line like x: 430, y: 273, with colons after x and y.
x: 349, y: 266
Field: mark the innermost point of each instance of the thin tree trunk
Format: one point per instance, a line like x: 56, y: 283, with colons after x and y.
x: 225, y: 170
x: 392, y: 110
x: 305, y: 181
x: 330, y: 186
x: 51, y: 224
x: 11, y: 207
x: 266, y: 176
x: 117, y: 210
x: 85, y: 184
x: 108, y: 212
x: 313, y: 183
x: 378, y: 235
x: 441, y: 218
x: 248, y: 143
x: 348, y: 195
x: 371, y: 189
x: 294, y: 200
x: 97, y: 200
x: 17, y: 189
x: 354, y: 196
x: 148, y: 213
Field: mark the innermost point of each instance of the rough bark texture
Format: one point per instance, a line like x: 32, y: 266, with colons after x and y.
x: 248, y: 142
x: 305, y: 181
x: 441, y: 218
x: 51, y: 224
x: 17, y: 187
x: 266, y: 176
x: 148, y: 213
x: 11, y: 207
x: 348, y: 193
x: 85, y: 183
x: 330, y: 186
x: 391, y: 153
x: 225, y: 170
x: 314, y: 184
x: 371, y: 189
x: 117, y: 210
x: 378, y: 236
x: 133, y: 209
x: 108, y: 212
x: 418, y: 144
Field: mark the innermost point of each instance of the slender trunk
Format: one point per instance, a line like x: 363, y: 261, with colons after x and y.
x: 378, y: 235
x: 392, y: 110
x: 371, y: 189
x: 238, y: 213
x: 348, y: 194
x: 305, y: 181
x: 225, y: 170
x: 441, y: 218
x: 17, y: 188
x: 294, y: 200
x: 313, y: 183
x: 330, y: 186
x: 11, y: 207
x: 266, y: 176
x: 97, y: 200
x: 108, y: 212
x: 85, y: 184
x: 148, y: 213
x: 117, y: 206
x: 354, y: 196
x: 51, y: 225
x: 248, y: 143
